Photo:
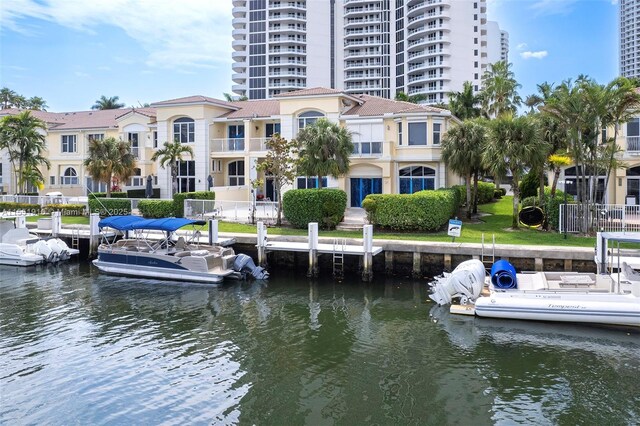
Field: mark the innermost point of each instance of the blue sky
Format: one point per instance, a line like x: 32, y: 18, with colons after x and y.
x: 70, y: 52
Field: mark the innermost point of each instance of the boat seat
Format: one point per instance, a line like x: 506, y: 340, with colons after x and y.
x: 182, y: 254
x: 576, y: 281
x: 630, y: 273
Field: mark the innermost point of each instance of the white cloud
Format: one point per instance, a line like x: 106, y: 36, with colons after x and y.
x: 194, y: 33
x: 522, y: 46
x: 81, y: 74
x: 537, y: 54
x: 552, y: 7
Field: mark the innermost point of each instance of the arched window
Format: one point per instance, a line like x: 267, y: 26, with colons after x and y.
x: 236, y: 173
x: 70, y: 176
x: 184, y: 130
x: 307, y: 118
x: 416, y: 178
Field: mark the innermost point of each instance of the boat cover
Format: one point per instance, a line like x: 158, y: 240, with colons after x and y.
x: 128, y: 223
x: 503, y: 275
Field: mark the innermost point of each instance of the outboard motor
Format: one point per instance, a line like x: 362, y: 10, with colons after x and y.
x: 465, y: 282
x: 244, y: 264
x: 42, y: 248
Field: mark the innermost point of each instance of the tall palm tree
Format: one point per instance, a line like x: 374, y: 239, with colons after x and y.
x: 109, y: 158
x: 512, y: 146
x: 37, y: 103
x: 325, y: 148
x: 7, y: 97
x: 464, y: 104
x: 108, y: 103
x: 229, y: 98
x: 171, y: 154
x: 500, y: 90
x: 22, y: 135
x: 462, y: 147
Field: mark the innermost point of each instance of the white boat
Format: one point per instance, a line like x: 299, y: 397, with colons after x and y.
x: 169, y: 258
x: 18, y: 247
x: 600, y: 298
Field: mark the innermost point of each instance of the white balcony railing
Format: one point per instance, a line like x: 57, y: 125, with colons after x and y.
x: 367, y: 149
x: 227, y: 145
x: 633, y: 143
x: 258, y: 144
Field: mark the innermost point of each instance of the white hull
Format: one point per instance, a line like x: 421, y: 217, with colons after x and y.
x: 615, y: 309
x: 16, y: 255
x: 159, y: 273
x: 18, y: 261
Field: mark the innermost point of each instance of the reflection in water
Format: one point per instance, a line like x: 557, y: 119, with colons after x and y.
x: 78, y: 347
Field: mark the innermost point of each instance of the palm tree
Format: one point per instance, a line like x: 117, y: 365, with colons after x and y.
x: 512, y: 146
x: 109, y: 158
x: 22, y: 135
x: 500, y: 90
x: 462, y: 147
x: 414, y: 99
x: 37, y: 103
x: 7, y: 97
x: 325, y: 148
x: 108, y: 103
x: 171, y: 154
x: 229, y: 98
x: 464, y: 104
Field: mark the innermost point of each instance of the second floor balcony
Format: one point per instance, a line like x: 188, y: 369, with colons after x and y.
x: 633, y: 144
x: 233, y: 145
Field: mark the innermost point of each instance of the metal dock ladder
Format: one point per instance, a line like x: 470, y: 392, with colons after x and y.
x: 488, y: 260
x: 338, y: 257
x: 75, y: 238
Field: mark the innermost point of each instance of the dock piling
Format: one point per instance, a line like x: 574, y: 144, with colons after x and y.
x: 213, y: 231
x: 367, y: 245
x: 56, y: 223
x: 94, y: 233
x: 313, y: 250
x: 262, y: 244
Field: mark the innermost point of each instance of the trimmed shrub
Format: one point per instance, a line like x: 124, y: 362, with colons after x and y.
x: 178, y: 199
x: 503, y: 191
x: 28, y: 208
x: 142, y: 193
x: 109, y: 207
x: 423, y: 211
x: 324, y: 206
x: 104, y: 195
x: 66, y: 209
x: 461, y: 190
x: 485, y: 192
x: 530, y: 185
x: 497, y: 194
x: 155, y: 209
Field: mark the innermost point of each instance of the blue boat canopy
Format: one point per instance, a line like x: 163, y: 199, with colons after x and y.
x: 128, y: 223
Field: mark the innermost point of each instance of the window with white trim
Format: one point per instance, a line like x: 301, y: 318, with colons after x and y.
x: 399, y: 133
x: 69, y: 143
x: 307, y: 118
x: 69, y: 177
x: 417, y: 133
x: 155, y: 138
x: 52, y: 180
x: 437, y: 127
x: 416, y: 178
x: 136, y: 179
x: 95, y: 136
x: 186, y: 176
x: 184, y: 130
x: 134, y: 143
x: 236, y: 173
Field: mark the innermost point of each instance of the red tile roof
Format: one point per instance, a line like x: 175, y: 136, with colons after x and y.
x: 197, y: 99
x: 98, y: 119
x: 313, y: 91
x: 375, y: 106
x: 254, y: 109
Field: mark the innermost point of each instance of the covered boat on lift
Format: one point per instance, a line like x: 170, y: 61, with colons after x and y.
x: 167, y: 256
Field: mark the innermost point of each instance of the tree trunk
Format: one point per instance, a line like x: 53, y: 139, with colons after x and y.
x: 554, y: 184
x: 475, y: 192
x: 469, y: 199
x: 319, y: 182
x: 109, y: 186
x: 278, y: 188
x: 516, y: 201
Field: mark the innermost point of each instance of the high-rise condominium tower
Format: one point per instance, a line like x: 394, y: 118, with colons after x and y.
x: 376, y: 47
x: 630, y: 38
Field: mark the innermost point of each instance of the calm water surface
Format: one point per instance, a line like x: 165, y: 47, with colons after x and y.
x: 77, y: 347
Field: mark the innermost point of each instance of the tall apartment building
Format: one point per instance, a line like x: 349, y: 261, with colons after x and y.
x: 629, y: 14
x: 374, y: 47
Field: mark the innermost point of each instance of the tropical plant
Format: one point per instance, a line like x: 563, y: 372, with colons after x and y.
x: 512, y: 146
x: 465, y: 104
x: 37, y: 103
x: 22, y: 135
x: 280, y: 164
x: 171, y: 154
x: 108, y: 159
x: 499, y: 90
x: 229, y: 98
x: 462, y: 147
x: 324, y: 148
x: 108, y: 103
x: 414, y: 99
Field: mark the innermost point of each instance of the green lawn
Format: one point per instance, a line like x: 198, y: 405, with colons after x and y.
x: 497, y: 221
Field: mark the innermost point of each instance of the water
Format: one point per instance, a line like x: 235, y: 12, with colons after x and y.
x: 77, y: 347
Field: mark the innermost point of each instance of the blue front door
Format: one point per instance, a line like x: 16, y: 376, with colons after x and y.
x: 361, y: 187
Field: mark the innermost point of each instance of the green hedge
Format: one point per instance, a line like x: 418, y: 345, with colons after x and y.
x: 142, y: 193
x: 324, y: 206
x: 104, y: 195
x: 461, y: 194
x: 114, y: 207
x: 422, y: 211
x: 29, y: 208
x: 66, y: 209
x: 155, y: 209
x: 486, y: 192
x: 178, y: 199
